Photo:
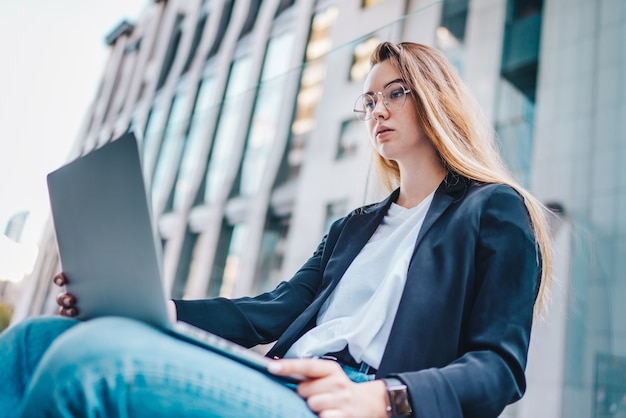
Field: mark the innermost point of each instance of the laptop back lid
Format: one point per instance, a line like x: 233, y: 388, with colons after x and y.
x: 107, y: 244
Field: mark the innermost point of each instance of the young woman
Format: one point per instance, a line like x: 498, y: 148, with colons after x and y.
x: 420, y: 305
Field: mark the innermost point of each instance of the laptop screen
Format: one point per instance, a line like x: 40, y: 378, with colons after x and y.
x: 107, y: 244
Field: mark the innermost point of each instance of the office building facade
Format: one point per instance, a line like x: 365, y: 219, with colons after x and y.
x: 250, y: 149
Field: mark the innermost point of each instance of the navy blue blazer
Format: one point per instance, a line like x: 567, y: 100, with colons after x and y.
x: 461, y: 333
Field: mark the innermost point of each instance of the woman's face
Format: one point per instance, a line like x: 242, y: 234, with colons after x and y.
x: 395, y: 134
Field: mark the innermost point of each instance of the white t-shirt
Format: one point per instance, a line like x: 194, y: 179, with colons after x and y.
x: 361, y: 310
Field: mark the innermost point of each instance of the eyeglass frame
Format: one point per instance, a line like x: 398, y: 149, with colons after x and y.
x: 374, y: 96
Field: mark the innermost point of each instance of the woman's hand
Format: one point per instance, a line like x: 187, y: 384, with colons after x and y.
x: 330, y: 393
x: 66, y: 301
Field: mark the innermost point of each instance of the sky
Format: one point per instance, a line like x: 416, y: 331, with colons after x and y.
x: 53, y: 56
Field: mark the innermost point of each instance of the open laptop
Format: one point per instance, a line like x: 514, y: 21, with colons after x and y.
x: 109, y: 249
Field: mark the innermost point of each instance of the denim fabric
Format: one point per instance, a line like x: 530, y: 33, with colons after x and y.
x: 114, y: 367
x: 21, y: 349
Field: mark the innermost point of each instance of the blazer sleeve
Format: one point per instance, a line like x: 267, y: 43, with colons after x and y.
x: 250, y: 321
x: 489, y: 374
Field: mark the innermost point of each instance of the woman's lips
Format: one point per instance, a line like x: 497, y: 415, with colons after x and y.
x: 383, y: 132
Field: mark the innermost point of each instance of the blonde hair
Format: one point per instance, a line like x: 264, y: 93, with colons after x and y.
x: 460, y: 133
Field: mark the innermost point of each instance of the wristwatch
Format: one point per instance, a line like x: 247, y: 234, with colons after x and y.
x: 399, y: 404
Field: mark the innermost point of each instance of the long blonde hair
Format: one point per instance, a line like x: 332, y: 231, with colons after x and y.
x: 459, y: 131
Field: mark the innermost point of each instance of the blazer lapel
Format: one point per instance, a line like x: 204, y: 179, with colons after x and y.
x: 452, y: 188
x: 354, y: 235
x: 357, y: 231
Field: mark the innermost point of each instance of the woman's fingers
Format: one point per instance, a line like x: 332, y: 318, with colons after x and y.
x: 66, y: 300
x: 60, y: 299
x: 330, y: 393
x: 67, y: 304
x: 60, y: 279
x: 69, y: 312
x: 311, y: 368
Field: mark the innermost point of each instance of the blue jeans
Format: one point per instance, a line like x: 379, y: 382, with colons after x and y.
x: 115, y: 367
x: 21, y: 349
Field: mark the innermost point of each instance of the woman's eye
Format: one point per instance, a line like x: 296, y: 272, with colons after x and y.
x: 396, y: 94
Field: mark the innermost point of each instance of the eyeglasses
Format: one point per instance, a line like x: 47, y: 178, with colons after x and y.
x: 394, y: 97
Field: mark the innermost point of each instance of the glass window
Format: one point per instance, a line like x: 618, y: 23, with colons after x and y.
x: 610, y: 386
x: 526, y: 8
x: 308, y: 97
x: 227, y: 11
x: 267, y: 111
x: 253, y: 12
x: 361, y: 59
x: 197, y: 36
x: 451, y: 31
x: 172, y: 49
x: 169, y: 155
x: 454, y: 17
x: 228, y: 125
x: 352, y: 134
x: 334, y: 211
x: 520, y: 48
x: 515, y: 120
x: 152, y: 139
x: 195, y: 139
x: 514, y: 124
x: 271, y: 253
x: 282, y: 6
x: 186, y: 264
x: 310, y: 92
x: 233, y: 260
x: 369, y: 3
x: 219, y: 261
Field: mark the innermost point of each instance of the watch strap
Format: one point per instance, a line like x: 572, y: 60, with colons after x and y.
x: 398, y: 395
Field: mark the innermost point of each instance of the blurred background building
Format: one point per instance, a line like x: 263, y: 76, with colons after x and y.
x: 250, y: 148
x: 12, y: 248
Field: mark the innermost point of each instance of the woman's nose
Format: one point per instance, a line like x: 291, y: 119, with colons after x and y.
x: 379, y: 108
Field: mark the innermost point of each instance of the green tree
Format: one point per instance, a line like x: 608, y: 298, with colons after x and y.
x: 6, y: 311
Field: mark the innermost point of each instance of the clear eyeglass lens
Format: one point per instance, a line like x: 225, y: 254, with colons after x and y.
x: 394, y: 97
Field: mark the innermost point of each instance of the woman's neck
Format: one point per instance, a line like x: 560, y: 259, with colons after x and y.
x: 418, y: 182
